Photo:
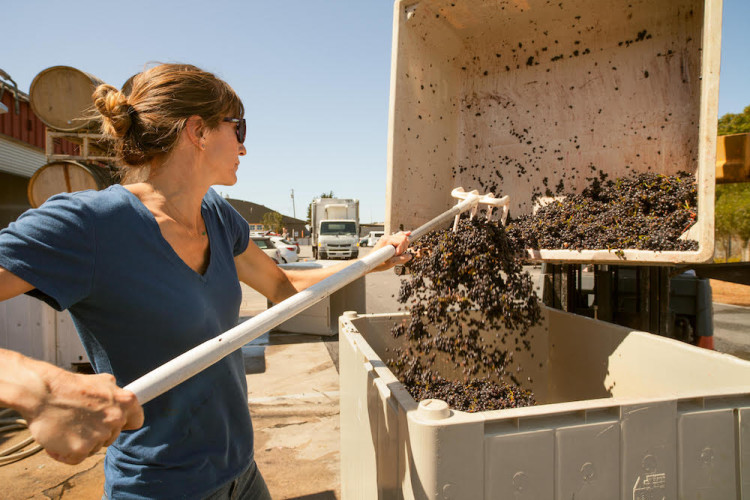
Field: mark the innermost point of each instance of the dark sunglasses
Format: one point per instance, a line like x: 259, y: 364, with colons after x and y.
x: 241, y: 129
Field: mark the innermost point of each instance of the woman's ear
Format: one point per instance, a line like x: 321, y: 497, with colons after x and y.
x: 195, y: 129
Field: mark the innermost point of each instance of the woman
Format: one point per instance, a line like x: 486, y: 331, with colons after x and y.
x: 148, y: 270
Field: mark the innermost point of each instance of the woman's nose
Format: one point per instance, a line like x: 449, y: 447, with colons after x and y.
x: 243, y: 151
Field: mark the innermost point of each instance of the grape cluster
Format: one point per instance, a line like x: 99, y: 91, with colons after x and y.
x: 462, y: 286
x: 645, y: 211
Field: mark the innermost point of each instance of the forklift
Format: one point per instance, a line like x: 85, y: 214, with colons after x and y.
x: 672, y: 301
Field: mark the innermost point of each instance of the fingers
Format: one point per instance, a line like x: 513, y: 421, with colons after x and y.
x: 66, y: 459
x: 112, y: 437
x: 132, y: 408
x: 73, y: 454
x: 400, y: 259
x: 399, y: 240
x: 403, y: 243
x: 79, y: 418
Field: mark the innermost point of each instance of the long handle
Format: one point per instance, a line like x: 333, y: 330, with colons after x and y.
x: 199, y: 358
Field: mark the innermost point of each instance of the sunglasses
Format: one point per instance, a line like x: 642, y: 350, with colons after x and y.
x: 241, y: 129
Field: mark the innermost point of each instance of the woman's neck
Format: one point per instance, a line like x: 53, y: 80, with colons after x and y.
x: 176, y: 185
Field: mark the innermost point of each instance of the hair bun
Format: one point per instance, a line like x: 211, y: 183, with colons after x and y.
x: 116, y: 112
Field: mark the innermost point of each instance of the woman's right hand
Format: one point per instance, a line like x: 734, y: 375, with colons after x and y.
x: 71, y: 415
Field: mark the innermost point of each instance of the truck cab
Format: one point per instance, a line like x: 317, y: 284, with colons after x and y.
x: 338, y: 239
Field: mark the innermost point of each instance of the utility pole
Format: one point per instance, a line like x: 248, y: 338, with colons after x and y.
x: 294, y: 209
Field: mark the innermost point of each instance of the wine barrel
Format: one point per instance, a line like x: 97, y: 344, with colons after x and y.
x: 65, y: 177
x: 61, y: 97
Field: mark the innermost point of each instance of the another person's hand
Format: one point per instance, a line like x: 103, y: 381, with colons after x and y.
x: 401, y: 242
x: 76, y: 415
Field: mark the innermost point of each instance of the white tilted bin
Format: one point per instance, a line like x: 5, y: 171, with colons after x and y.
x: 515, y: 97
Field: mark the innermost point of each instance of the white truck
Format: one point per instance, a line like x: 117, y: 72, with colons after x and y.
x: 335, y: 228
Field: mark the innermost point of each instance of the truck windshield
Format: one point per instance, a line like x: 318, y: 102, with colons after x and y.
x: 340, y: 227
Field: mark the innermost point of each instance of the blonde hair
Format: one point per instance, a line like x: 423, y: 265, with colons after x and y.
x: 146, y: 123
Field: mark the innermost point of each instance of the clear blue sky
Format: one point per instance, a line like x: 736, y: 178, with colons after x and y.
x: 314, y: 77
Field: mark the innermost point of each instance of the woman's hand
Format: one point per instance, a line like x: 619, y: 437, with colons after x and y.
x: 71, y: 415
x: 401, y: 242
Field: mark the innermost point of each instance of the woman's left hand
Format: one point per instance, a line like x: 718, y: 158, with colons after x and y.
x: 401, y: 242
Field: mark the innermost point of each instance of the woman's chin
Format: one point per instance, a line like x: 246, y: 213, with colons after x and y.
x: 229, y: 181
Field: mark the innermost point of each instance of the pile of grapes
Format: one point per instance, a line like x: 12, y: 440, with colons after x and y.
x: 645, y: 211
x: 469, y: 299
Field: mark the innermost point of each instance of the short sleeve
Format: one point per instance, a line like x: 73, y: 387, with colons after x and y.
x: 53, y: 248
x: 235, y: 224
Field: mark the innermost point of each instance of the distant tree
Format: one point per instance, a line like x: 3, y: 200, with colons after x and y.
x: 743, y: 228
x: 735, y: 123
x: 732, y: 211
x: 309, y: 207
x: 273, y: 221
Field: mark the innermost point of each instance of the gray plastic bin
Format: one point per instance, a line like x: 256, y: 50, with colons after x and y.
x: 621, y: 414
x: 322, y: 317
x: 540, y: 92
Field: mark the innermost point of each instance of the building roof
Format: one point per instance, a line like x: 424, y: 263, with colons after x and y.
x: 253, y: 213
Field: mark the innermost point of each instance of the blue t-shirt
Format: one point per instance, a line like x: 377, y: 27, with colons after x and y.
x: 136, y: 305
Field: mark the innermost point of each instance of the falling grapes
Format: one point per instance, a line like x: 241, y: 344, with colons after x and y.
x: 462, y: 286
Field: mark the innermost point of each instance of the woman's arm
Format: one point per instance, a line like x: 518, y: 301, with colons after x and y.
x: 11, y: 285
x: 72, y: 416
x: 258, y: 271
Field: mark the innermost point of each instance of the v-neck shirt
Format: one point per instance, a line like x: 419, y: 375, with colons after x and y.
x: 136, y: 304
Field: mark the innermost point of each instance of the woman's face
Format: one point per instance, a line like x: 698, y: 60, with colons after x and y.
x: 222, y: 152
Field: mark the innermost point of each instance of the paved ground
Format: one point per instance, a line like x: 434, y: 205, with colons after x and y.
x: 732, y: 330
x: 294, y: 401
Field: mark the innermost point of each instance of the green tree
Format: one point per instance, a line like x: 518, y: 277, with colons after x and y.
x: 273, y: 221
x: 735, y: 123
x: 743, y: 228
x: 732, y: 212
x: 309, y: 207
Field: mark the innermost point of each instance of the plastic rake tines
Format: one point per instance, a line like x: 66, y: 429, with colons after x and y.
x: 488, y: 199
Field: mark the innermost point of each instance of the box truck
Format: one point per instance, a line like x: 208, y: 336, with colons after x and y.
x: 335, y: 228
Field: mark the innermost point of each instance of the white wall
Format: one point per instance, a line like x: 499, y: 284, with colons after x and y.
x: 34, y: 329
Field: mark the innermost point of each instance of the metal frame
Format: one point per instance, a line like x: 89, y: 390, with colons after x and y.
x: 82, y: 138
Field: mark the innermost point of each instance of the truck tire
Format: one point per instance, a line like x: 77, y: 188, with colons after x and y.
x: 355, y: 253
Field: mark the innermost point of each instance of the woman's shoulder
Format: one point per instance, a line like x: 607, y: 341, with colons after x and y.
x: 212, y: 198
x: 216, y: 203
x: 90, y: 199
x: 86, y: 205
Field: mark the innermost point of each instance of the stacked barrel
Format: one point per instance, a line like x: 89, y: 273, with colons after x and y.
x: 61, y: 97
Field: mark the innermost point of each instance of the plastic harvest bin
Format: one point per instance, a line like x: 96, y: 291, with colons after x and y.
x: 517, y: 96
x: 322, y: 318
x: 620, y: 414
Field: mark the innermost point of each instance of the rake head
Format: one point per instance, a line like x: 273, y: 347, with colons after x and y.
x: 488, y: 199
